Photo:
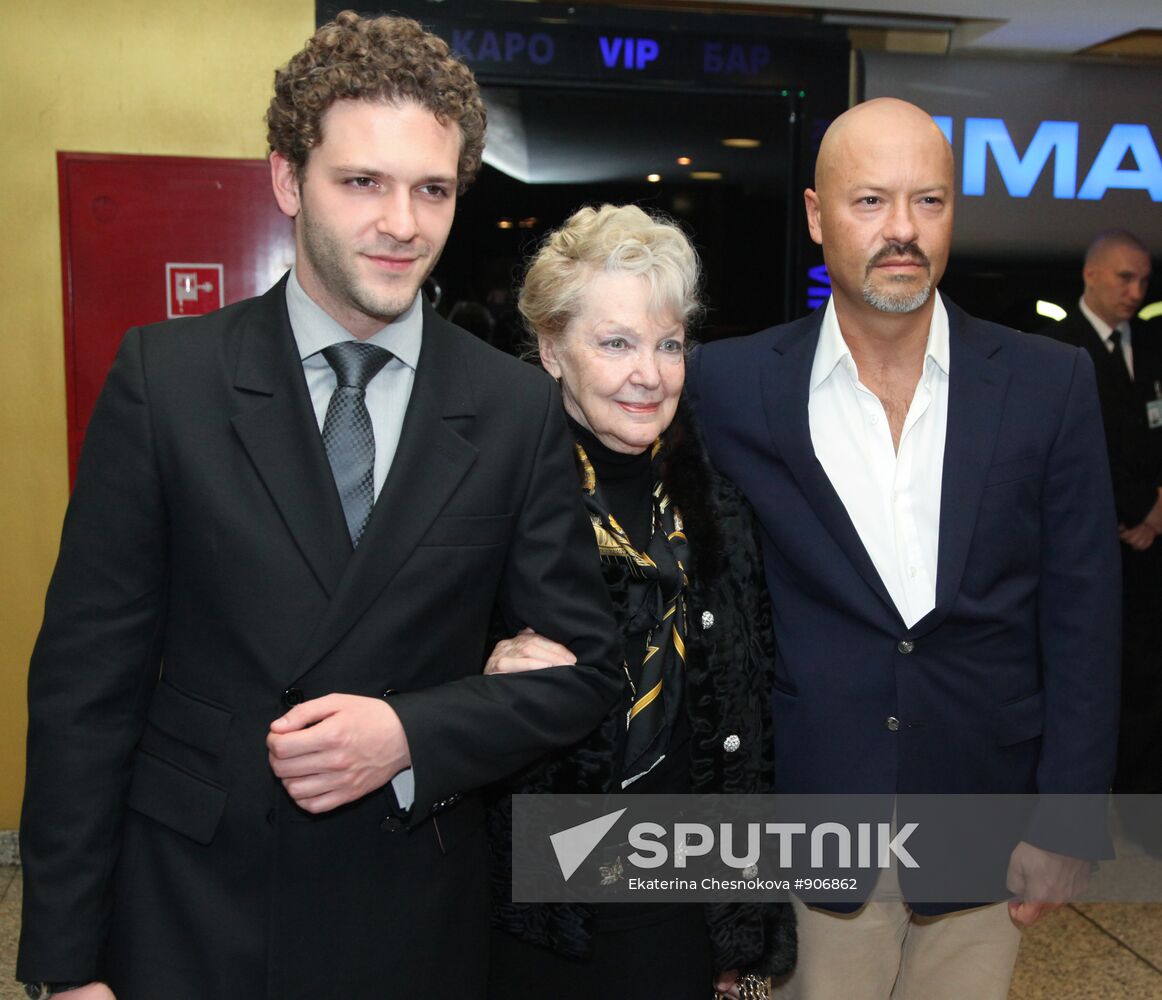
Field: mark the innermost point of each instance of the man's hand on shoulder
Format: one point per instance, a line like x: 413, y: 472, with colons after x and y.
x: 336, y: 749
x: 1042, y: 881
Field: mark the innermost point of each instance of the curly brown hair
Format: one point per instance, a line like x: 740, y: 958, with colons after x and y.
x: 390, y: 59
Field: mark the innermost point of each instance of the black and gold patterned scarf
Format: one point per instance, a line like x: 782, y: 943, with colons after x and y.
x: 656, y: 583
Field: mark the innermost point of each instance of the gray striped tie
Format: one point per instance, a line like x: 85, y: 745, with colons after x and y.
x: 347, y: 433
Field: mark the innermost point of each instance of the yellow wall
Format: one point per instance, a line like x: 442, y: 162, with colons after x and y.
x: 164, y: 77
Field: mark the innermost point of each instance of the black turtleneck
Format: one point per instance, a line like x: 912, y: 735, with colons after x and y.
x: 626, y: 484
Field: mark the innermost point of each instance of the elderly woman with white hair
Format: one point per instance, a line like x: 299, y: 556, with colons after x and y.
x: 609, y: 297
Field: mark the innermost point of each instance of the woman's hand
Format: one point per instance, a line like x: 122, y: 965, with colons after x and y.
x: 726, y: 984
x: 732, y: 986
x: 527, y: 651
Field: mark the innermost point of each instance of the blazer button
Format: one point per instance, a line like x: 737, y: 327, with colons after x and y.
x: 905, y: 646
x: 707, y: 619
x: 893, y: 724
x: 731, y: 743
x: 293, y: 696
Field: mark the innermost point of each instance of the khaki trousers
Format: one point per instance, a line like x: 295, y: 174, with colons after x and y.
x: 885, y: 951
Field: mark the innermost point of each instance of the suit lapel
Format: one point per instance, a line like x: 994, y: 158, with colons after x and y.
x: 431, y: 461
x: 277, y: 427
x: 976, y: 396
x: 786, y: 390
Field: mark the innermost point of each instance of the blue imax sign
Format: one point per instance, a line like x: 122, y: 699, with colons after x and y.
x: 1128, y: 159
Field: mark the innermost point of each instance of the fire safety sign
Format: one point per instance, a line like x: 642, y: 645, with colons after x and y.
x: 193, y: 289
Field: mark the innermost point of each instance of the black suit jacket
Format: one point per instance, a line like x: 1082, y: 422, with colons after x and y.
x: 205, y: 537
x: 1135, y: 450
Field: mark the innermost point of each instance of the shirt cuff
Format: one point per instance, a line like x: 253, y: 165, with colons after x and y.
x: 404, y: 786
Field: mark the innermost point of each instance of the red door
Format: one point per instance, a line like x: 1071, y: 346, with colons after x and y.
x: 144, y: 238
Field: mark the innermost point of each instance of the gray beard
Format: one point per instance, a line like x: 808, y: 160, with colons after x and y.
x: 895, y: 302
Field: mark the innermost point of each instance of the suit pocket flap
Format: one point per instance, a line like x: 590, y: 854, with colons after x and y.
x: 1021, y: 720
x: 176, y: 798
x: 1012, y: 470
x: 193, y: 721
x: 493, y: 529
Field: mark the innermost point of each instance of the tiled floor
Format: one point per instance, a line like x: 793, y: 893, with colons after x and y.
x: 1091, y: 951
x: 10, y: 893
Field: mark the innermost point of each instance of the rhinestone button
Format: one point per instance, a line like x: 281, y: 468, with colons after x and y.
x: 893, y: 723
x: 731, y: 743
x: 905, y: 645
x: 707, y: 619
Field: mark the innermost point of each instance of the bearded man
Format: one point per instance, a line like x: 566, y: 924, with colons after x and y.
x: 941, y: 551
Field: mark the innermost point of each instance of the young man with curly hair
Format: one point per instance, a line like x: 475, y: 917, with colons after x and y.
x: 257, y: 712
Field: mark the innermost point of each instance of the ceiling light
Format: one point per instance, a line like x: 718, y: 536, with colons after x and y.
x: 504, y: 223
x: 1153, y: 310
x: 653, y: 178
x: 706, y: 175
x: 683, y: 161
x: 741, y: 142
x: 1050, y: 310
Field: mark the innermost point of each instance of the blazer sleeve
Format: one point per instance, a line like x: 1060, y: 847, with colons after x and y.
x: 475, y: 730
x: 93, y: 668
x: 1079, y: 600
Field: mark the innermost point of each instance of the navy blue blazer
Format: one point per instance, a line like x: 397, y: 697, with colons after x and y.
x: 1010, y: 684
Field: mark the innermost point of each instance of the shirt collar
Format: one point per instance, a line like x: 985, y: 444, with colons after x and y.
x: 314, y: 329
x: 1100, y: 325
x: 832, y: 349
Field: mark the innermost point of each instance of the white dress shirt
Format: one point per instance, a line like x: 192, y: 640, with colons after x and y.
x: 892, y: 498
x: 387, y: 396
x: 1104, y: 330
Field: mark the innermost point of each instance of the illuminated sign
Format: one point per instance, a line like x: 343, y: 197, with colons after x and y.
x: 634, y: 53
x: 749, y: 60
x: 475, y: 46
x: 818, y: 286
x: 789, y: 58
x: 1060, y: 140
x: 510, y: 48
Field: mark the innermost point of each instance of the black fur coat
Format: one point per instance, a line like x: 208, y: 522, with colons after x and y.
x: 730, y: 657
